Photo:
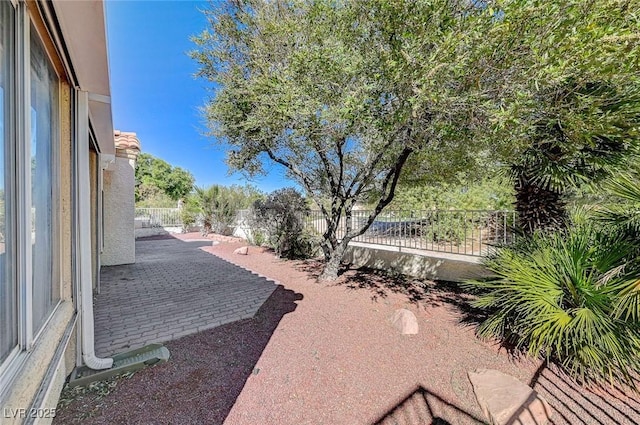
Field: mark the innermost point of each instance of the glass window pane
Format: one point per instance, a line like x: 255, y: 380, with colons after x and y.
x: 8, y: 299
x: 44, y: 138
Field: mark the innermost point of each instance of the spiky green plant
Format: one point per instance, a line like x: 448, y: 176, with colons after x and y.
x: 624, y: 210
x: 572, y: 297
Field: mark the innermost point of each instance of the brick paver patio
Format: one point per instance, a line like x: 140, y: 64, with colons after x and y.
x: 174, y: 289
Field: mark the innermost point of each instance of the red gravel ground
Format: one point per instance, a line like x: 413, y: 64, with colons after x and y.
x: 316, y: 354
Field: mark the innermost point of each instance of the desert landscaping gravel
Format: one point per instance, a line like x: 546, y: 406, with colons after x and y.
x: 326, y: 353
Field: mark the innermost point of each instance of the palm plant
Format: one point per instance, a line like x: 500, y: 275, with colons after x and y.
x: 572, y: 296
x: 581, y: 133
x: 624, y: 211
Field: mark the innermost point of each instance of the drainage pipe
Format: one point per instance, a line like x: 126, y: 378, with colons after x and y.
x: 83, y: 235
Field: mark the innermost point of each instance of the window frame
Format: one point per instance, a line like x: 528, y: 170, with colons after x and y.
x: 19, y: 196
x: 10, y: 195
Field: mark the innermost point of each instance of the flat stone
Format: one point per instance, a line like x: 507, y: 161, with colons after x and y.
x: 507, y: 401
x: 243, y: 250
x: 405, y: 322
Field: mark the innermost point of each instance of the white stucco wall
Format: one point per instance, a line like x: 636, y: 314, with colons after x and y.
x: 119, y: 211
x: 415, y: 262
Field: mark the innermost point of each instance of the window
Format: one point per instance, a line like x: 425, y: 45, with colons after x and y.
x: 44, y: 131
x: 8, y: 296
x: 29, y: 145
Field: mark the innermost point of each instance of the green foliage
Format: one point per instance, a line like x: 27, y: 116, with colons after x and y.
x: 218, y: 205
x: 623, y: 207
x: 149, y: 196
x: 155, y: 176
x: 281, y: 216
x: 341, y: 94
x: 566, y: 90
x: 256, y: 236
x: 486, y: 194
x: 572, y: 297
x: 347, y: 95
x: 189, y: 213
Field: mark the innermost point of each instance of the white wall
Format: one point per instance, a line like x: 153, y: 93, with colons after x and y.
x: 119, y: 212
x: 415, y: 262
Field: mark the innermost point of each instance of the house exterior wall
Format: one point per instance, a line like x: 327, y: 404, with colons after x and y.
x: 32, y: 377
x: 119, y: 209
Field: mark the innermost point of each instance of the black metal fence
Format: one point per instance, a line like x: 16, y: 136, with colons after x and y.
x: 467, y: 232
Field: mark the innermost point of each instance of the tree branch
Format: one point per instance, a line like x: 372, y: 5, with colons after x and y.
x: 388, y: 191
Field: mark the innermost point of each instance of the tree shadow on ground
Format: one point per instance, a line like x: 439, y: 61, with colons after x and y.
x: 202, y: 380
x: 425, y: 406
x: 421, y: 292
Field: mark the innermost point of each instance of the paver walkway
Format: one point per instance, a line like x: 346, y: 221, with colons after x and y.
x: 174, y: 289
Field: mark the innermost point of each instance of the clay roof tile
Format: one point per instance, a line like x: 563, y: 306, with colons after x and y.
x: 126, y: 140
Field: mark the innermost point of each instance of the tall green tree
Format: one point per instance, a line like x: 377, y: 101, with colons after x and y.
x: 343, y: 95
x: 154, y: 174
x: 565, y: 79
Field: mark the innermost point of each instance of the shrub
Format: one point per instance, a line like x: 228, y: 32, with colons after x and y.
x: 189, y: 213
x: 573, y: 297
x: 256, y: 236
x: 218, y: 206
x: 281, y: 217
x: 446, y: 227
x: 152, y: 197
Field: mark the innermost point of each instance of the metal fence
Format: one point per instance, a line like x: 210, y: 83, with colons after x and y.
x: 158, y: 217
x: 467, y: 232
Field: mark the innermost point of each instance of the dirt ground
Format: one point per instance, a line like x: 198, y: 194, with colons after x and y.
x: 324, y: 354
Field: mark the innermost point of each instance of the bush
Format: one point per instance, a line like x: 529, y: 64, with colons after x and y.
x: 218, y: 206
x: 189, y: 213
x: 573, y: 297
x: 280, y: 217
x: 152, y: 197
x: 256, y: 237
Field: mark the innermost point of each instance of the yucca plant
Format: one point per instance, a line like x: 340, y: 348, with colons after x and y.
x: 572, y: 297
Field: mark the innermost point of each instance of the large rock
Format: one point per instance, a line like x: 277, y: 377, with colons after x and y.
x: 505, y: 400
x: 243, y: 250
x: 405, y: 322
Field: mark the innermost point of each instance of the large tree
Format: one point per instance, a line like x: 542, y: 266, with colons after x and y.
x: 156, y: 175
x: 565, y: 78
x: 342, y: 94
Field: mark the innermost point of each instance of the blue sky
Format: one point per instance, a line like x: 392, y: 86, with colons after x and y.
x: 154, y: 92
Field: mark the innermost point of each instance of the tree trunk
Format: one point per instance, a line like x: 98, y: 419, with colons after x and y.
x: 332, y: 266
x: 538, y: 207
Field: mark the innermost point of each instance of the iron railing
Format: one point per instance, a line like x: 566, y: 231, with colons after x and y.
x: 158, y: 217
x: 467, y: 232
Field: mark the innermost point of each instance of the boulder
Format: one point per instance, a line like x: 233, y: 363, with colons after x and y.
x: 505, y: 400
x: 405, y: 322
x: 243, y: 250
